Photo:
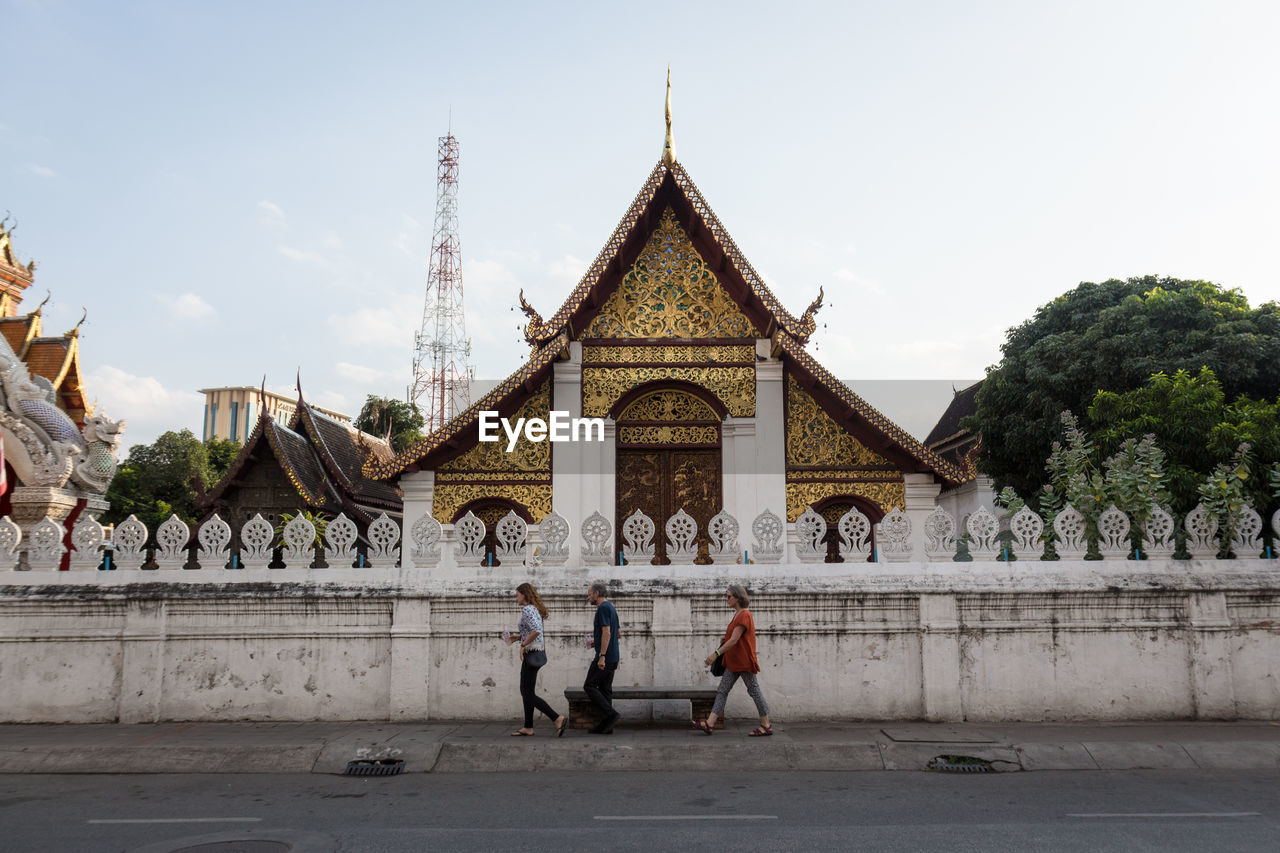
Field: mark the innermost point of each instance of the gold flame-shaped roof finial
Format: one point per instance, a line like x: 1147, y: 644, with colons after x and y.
x: 669, y: 146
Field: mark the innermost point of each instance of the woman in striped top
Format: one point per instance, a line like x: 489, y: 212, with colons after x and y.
x: 532, y: 657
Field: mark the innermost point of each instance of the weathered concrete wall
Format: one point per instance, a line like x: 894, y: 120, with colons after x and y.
x: 1034, y: 641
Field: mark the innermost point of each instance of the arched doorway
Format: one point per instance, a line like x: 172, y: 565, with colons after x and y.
x: 669, y: 458
x: 491, y: 511
x: 832, y: 509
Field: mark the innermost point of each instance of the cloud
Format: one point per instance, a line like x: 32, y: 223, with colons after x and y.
x: 270, y: 213
x: 148, y: 407
x: 333, y: 241
x: 869, y: 285
x: 42, y: 171
x: 358, y: 373
x: 408, y: 235
x: 566, y: 270
x: 391, y: 326
x: 304, y: 257
x: 189, y: 306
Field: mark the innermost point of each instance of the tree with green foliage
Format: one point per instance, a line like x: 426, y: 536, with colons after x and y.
x: 1113, y: 337
x: 159, y: 479
x: 1198, y: 430
x: 396, y: 420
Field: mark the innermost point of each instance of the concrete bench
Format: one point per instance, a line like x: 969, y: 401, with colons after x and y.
x: 584, y: 715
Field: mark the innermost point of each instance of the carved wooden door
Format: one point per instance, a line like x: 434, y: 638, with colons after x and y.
x: 660, y: 481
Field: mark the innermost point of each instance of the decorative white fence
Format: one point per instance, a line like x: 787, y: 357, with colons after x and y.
x: 1021, y: 536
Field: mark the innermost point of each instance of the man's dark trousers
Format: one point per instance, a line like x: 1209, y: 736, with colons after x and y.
x: 599, y: 688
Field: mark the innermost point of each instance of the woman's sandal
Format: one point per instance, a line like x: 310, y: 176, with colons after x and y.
x: 519, y: 733
x: 562, y: 726
x: 704, y: 727
x: 761, y: 731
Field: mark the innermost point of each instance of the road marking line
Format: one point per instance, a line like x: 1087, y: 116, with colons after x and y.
x: 1173, y: 814
x: 686, y: 817
x: 180, y: 820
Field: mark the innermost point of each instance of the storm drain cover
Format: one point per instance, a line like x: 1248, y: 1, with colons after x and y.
x: 374, y: 767
x: 246, y: 846
x: 960, y: 764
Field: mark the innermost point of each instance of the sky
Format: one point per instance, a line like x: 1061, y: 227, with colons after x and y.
x: 239, y: 190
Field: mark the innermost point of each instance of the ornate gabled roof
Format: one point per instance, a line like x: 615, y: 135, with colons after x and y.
x: 323, y: 459
x: 670, y: 185
x: 294, y: 455
x: 20, y: 331
x: 463, y: 430
x: 963, y: 403
x: 861, y: 418
x: 342, y: 450
x: 301, y: 465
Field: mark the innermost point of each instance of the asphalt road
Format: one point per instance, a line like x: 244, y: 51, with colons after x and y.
x: 900, y: 811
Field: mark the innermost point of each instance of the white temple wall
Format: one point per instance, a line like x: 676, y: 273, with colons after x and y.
x: 1059, y: 642
x: 965, y: 499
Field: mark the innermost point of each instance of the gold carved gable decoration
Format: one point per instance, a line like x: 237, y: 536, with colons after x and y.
x: 668, y: 405
x: 528, y: 456
x: 814, y: 438
x: 670, y: 292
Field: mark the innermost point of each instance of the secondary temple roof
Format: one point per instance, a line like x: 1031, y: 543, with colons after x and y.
x: 323, y: 460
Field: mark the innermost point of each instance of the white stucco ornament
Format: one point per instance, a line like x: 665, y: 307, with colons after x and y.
x: 682, y: 538
x: 425, y: 535
x: 767, y: 532
x: 340, y: 542
x: 637, y: 537
x: 939, y: 536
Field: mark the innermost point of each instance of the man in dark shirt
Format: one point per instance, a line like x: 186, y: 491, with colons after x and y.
x: 604, y: 640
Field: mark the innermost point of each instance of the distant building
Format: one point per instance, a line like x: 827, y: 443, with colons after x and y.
x: 233, y: 412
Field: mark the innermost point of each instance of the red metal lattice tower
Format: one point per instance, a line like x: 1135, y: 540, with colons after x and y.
x: 442, y: 371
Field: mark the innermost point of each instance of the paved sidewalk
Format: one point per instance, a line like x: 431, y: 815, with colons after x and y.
x: 444, y: 747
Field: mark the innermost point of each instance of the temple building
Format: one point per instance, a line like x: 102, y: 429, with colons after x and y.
x: 709, y: 398
x: 312, y: 462
x: 59, y: 451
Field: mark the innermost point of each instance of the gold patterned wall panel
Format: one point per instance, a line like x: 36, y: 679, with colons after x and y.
x: 814, y: 438
x: 670, y: 292
x: 673, y: 354
x: 528, y: 456
x: 604, y: 386
x: 802, y: 495
x: 668, y: 435
x: 450, y: 497
x: 668, y: 404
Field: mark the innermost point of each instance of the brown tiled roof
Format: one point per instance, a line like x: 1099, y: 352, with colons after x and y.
x: 50, y: 357
x: 341, y: 454
x: 704, y: 225
x: 826, y: 388
x: 301, y: 465
x: 463, y: 430
x: 963, y: 403
x: 16, y: 331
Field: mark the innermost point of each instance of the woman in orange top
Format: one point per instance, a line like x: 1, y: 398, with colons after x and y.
x: 739, y: 650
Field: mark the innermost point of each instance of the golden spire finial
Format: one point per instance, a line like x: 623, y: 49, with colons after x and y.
x: 669, y: 146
